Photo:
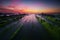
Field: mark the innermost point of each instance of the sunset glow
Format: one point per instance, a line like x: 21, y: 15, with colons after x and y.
x: 29, y: 7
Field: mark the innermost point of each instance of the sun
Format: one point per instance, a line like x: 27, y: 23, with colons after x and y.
x: 31, y: 10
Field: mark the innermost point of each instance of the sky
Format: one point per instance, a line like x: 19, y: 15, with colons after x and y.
x: 30, y: 6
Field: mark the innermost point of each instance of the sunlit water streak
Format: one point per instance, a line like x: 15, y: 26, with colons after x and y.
x: 27, y: 29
